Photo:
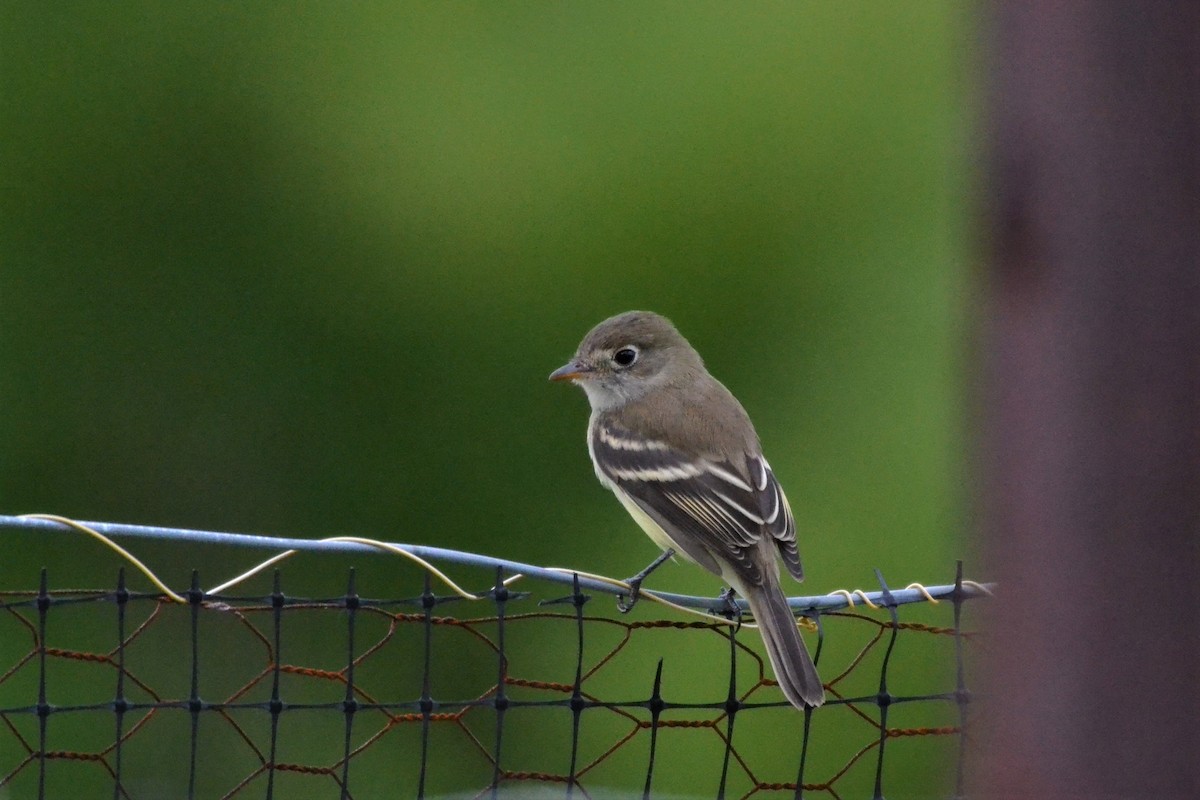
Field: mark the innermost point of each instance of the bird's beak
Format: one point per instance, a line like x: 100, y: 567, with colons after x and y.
x: 572, y: 370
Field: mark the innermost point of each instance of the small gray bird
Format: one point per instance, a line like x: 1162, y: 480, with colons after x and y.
x: 682, y: 456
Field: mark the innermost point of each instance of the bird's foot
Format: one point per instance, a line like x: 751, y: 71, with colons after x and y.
x: 635, y: 583
x: 635, y: 592
x: 727, y: 606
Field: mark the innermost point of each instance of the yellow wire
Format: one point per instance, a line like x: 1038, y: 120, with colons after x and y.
x: 647, y: 594
x: 850, y: 597
x: 919, y: 587
x: 121, y: 551
x: 385, y: 546
x: 454, y: 587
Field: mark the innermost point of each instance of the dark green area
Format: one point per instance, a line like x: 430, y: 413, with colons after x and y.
x: 303, y: 269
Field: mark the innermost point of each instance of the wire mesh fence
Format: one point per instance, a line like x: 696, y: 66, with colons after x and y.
x: 131, y: 694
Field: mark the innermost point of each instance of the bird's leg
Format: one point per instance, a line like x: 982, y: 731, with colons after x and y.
x: 727, y: 606
x: 635, y: 583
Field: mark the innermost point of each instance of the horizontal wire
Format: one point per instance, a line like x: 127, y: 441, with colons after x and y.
x: 422, y: 553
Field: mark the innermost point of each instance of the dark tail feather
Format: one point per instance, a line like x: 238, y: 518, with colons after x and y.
x: 794, y: 668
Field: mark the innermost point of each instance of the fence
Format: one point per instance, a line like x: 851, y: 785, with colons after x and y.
x: 133, y: 694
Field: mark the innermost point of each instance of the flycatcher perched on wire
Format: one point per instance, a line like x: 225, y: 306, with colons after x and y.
x: 682, y: 456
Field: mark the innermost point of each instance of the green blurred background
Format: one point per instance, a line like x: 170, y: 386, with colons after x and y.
x: 302, y: 269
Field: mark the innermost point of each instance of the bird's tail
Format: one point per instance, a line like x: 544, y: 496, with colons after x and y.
x: 794, y: 668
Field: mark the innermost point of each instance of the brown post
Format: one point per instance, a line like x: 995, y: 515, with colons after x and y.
x: 1090, y: 403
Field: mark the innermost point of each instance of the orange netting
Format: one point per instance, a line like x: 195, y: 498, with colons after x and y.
x: 129, y: 695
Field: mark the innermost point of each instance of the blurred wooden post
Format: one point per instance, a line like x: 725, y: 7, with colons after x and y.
x: 1090, y: 402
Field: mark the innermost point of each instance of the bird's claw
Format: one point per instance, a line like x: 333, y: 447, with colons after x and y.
x: 726, y: 606
x: 635, y: 592
x: 635, y: 583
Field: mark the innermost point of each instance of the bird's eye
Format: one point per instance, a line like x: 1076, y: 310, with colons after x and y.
x: 625, y: 356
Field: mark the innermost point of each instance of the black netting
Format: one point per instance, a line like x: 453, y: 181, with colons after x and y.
x: 130, y: 695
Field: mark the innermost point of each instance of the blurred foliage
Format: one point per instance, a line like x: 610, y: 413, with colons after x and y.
x: 303, y: 268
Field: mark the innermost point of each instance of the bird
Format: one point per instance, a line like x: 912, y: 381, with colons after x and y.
x: 681, y: 454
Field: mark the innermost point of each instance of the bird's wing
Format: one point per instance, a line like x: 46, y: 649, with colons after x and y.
x: 717, y: 505
x: 776, y: 513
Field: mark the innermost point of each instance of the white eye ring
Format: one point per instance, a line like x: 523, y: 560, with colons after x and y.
x: 625, y: 356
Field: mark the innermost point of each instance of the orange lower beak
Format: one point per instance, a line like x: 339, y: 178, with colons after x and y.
x: 570, y: 371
